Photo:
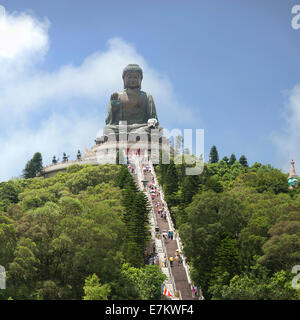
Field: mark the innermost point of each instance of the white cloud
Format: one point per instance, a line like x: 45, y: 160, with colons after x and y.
x: 288, y: 141
x: 21, y: 35
x: 62, y: 110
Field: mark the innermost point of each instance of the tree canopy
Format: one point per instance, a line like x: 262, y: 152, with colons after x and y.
x: 240, y: 228
x: 60, y: 236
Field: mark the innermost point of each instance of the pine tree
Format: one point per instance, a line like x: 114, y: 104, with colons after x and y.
x: 33, y: 166
x: 190, y: 187
x: 125, y: 179
x: 141, y: 218
x: 213, y: 155
x: 225, y: 159
x: 171, y: 179
x: 243, y: 161
x: 226, y: 258
x: 163, y: 166
x: 232, y: 159
x: 136, y: 219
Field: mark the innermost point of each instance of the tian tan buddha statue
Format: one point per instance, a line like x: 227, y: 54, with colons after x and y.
x: 132, y: 105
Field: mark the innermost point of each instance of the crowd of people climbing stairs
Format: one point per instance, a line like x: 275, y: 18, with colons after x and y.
x: 173, y: 256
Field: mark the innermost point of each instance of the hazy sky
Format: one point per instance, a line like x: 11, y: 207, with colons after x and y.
x: 230, y: 67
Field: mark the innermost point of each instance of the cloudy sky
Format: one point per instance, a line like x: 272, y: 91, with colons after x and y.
x: 229, y: 67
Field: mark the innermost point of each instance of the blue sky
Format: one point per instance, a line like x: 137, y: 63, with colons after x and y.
x: 230, y: 67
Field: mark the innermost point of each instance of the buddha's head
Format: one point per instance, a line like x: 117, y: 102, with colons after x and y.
x: 132, y: 76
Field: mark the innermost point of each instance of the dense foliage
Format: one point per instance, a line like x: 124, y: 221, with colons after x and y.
x: 78, y: 235
x: 240, y: 226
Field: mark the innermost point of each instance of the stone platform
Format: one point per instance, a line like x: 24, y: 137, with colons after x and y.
x: 106, y: 153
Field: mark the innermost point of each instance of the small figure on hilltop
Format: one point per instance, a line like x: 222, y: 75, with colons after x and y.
x: 293, y: 178
x: 65, y: 158
x: 79, y: 155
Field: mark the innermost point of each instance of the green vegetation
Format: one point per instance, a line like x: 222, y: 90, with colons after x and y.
x: 78, y: 235
x: 82, y: 234
x: 33, y: 166
x: 213, y: 155
x: 240, y: 226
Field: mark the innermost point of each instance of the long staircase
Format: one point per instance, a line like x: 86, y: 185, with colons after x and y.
x: 178, y: 276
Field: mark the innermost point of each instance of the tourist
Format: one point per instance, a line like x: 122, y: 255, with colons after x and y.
x: 177, y: 260
x: 193, y: 291
x: 180, y: 259
x: 171, y: 261
x: 165, y: 261
x: 196, y: 291
x: 171, y: 235
x: 165, y: 236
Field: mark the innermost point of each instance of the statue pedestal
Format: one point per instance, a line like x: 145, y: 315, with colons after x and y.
x: 106, y: 151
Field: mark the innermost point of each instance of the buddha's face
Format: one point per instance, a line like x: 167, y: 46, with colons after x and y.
x: 132, y: 80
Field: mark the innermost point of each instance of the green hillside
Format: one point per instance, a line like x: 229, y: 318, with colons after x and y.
x: 80, y: 234
x: 240, y: 227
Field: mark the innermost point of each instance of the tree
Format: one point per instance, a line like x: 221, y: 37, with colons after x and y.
x: 171, y: 179
x: 190, y: 187
x: 9, y: 191
x: 243, y: 161
x: 214, y: 184
x: 147, y: 280
x: 282, y: 250
x: 232, y: 159
x: 226, y: 259
x: 78, y: 221
x: 33, y: 166
x: 137, y: 223
x: 213, y: 155
x: 93, y: 290
x: 226, y: 160
x: 255, y: 285
x: 211, y: 217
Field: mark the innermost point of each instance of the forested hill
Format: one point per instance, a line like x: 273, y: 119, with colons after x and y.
x: 240, y: 226
x: 80, y: 234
